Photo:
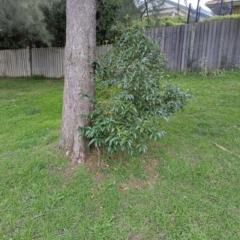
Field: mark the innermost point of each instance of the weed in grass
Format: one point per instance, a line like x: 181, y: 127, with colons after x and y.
x: 33, y: 110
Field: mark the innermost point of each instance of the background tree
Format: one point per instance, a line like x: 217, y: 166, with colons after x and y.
x: 79, y: 52
x: 128, y: 7
x: 21, y: 25
x: 41, y: 23
x: 54, y: 13
x: 149, y: 7
x: 108, y: 12
x: 106, y: 18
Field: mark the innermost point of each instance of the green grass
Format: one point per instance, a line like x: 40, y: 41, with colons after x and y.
x: 185, y: 187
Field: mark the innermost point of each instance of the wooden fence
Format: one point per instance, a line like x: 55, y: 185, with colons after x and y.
x: 15, y: 63
x: 48, y: 62
x: 214, y: 44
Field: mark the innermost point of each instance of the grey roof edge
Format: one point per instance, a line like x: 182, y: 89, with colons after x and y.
x: 203, y: 12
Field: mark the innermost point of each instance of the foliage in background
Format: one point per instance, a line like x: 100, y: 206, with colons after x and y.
x: 165, y: 21
x: 127, y: 8
x: 215, y: 18
x: 55, y: 19
x: 130, y: 77
x: 106, y: 18
x: 139, y: 12
x: 43, y: 23
x: 109, y: 13
x: 111, y: 18
x: 149, y: 7
x: 21, y: 25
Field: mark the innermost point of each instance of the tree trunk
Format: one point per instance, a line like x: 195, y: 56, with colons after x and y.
x: 79, y: 51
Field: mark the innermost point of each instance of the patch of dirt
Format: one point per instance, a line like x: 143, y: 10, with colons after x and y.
x: 140, y: 183
x: 94, y: 164
x: 69, y: 170
x: 136, y: 237
x: 99, y: 178
x: 150, y: 167
x: 9, y: 100
x: 93, y: 161
x: 54, y: 170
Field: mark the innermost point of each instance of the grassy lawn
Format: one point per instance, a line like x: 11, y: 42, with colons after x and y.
x: 187, y: 186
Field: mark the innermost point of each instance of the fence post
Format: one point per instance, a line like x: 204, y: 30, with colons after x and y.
x: 185, y: 48
x: 29, y: 50
x: 190, y: 53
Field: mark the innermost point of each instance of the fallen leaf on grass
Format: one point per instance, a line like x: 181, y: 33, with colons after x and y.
x: 225, y: 149
x: 213, y: 181
x: 123, y: 189
x: 236, y: 126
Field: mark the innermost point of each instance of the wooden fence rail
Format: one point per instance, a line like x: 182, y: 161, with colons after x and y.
x: 213, y: 44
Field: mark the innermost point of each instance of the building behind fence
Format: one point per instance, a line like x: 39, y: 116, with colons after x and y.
x: 213, y: 44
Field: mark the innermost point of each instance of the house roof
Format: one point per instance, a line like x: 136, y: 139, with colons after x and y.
x: 212, y: 3
x: 203, y: 13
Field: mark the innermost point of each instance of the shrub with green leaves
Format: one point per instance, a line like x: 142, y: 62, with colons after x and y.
x: 217, y: 18
x: 131, y: 99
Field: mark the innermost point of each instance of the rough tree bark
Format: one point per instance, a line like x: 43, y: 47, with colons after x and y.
x: 79, y: 51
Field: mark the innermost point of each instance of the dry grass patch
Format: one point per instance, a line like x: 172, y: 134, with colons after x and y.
x: 149, y: 179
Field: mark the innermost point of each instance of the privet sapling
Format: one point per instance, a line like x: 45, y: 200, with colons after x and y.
x: 131, y: 99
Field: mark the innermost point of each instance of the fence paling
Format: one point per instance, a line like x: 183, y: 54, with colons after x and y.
x: 213, y: 44
x: 203, y: 44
